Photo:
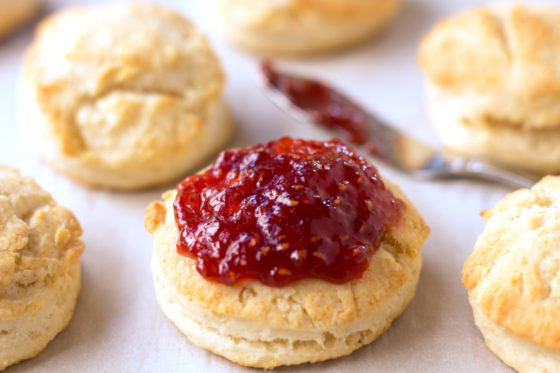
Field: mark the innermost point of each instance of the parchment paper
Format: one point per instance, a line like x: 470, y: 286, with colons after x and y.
x: 118, y: 325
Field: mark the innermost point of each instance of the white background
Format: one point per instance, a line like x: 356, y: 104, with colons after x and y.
x: 118, y: 326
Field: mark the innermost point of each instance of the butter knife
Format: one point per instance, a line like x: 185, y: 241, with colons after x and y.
x: 311, y: 101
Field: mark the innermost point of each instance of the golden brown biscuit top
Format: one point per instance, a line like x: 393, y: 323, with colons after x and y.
x: 260, y: 12
x: 123, y: 82
x: 341, y: 9
x: 510, y: 48
x: 513, y: 274
x: 306, y: 304
x: 38, y: 241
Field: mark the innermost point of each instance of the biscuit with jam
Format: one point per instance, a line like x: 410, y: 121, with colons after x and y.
x: 291, y: 252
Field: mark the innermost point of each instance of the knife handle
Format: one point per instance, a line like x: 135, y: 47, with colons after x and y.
x: 472, y: 167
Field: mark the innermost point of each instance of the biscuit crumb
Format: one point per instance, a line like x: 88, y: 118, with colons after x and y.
x: 154, y: 216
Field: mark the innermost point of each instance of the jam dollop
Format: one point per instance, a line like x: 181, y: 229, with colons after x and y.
x: 326, y: 106
x: 284, y: 211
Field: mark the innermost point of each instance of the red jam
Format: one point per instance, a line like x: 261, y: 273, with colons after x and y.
x: 284, y: 211
x: 326, y: 106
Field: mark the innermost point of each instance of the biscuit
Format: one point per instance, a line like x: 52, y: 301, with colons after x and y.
x: 296, y: 27
x: 122, y: 96
x: 309, y: 320
x: 513, y: 278
x: 40, y: 254
x: 493, y: 86
x: 15, y: 13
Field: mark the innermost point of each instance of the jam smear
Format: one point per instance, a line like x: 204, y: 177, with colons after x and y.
x: 284, y: 211
x: 325, y: 105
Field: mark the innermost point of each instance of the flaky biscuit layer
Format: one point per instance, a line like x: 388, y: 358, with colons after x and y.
x: 532, y: 149
x: 523, y: 355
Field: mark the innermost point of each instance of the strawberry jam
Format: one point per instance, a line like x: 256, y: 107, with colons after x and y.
x: 284, y: 211
x: 326, y: 106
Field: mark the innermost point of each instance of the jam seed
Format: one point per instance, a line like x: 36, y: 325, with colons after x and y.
x: 283, y: 247
x: 284, y: 272
x: 317, y: 254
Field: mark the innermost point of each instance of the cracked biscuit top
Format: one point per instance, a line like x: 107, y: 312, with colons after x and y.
x: 122, y: 84
x: 39, y: 243
x: 389, y: 245
x: 504, y: 59
x: 513, y: 274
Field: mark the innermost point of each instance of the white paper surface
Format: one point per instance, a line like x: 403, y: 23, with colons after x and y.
x: 118, y: 325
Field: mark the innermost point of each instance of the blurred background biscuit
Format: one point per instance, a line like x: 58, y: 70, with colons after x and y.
x: 297, y: 27
x: 493, y: 84
x: 14, y: 13
x: 123, y: 96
